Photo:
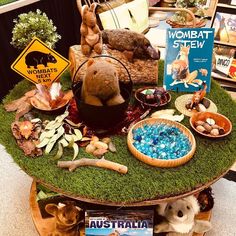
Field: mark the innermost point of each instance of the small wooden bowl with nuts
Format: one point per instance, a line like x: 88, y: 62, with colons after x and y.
x: 212, y: 125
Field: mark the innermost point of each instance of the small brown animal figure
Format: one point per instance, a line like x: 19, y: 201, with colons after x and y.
x: 134, y: 45
x: 198, y: 96
x: 91, y: 37
x: 67, y: 219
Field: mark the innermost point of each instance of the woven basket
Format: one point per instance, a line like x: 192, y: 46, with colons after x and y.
x: 174, y: 24
x: 157, y: 162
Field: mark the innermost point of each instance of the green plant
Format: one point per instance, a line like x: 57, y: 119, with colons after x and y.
x: 31, y: 24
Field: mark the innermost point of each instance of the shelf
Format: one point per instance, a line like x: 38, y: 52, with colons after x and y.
x: 224, y: 43
x: 226, y: 5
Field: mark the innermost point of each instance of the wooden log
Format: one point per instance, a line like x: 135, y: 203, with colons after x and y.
x: 102, y: 163
x: 141, y: 71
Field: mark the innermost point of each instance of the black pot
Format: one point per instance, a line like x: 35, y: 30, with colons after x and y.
x: 102, y: 116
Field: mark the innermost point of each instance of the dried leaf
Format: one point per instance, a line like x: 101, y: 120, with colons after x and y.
x: 85, y: 139
x: 54, y: 125
x: 73, y: 124
x: 60, y: 118
x: 76, y: 151
x: 25, y: 128
x: 78, y: 134
x: 43, y: 143
x: 49, y: 146
x: 59, y: 151
x: 47, y: 134
x: 64, y: 142
x: 36, y: 120
x: 59, y: 133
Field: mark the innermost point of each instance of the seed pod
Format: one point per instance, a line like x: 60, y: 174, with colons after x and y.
x: 221, y: 130
x: 90, y: 148
x: 100, y: 144
x: 100, y: 152
x: 106, y: 140
x: 111, y: 147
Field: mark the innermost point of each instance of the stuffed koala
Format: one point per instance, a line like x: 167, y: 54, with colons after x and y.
x: 67, y: 218
x: 91, y: 37
x: 179, y: 218
x: 100, y: 84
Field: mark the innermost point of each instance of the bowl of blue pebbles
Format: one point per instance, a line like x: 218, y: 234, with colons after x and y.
x: 161, y: 142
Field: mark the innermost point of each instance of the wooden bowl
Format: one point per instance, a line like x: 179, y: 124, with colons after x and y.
x: 151, y: 105
x: 57, y: 110
x: 220, y: 120
x: 159, y: 162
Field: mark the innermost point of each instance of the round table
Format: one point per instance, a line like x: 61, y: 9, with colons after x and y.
x: 143, y: 184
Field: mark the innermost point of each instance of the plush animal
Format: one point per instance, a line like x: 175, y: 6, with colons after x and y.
x: 132, y: 44
x: 67, y: 219
x: 100, y: 84
x: 179, y: 218
x: 91, y: 37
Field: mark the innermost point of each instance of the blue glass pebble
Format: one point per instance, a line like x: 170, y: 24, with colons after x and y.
x: 161, y: 141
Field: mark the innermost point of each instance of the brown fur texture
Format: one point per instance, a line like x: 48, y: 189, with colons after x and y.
x: 134, y: 45
x: 100, y: 84
x: 91, y: 38
x: 67, y: 219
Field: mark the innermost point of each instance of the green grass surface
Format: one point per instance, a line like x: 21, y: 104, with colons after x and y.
x: 4, y: 2
x: 212, y: 158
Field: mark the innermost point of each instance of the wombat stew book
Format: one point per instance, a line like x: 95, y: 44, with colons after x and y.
x: 188, y: 61
x: 119, y: 223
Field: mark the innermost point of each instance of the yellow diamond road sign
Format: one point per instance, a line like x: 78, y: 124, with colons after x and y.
x: 39, y: 63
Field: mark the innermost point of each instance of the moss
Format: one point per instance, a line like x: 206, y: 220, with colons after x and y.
x: 212, y: 158
x: 4, y: 2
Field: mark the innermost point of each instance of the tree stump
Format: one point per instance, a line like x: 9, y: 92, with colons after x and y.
x: 141, y: 71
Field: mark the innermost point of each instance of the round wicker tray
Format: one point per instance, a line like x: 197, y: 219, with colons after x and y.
x: 181, y: 101
x: 157, y: 162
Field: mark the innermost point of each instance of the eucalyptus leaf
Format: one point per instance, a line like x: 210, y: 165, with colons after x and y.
x: 49, y: 147
x: 43, y: 143
x: 60, y: 118
x: 64, y: 142
x: 59, y: 133
x: 47, y: 134
x: 50, y: 124
x: 76, y: 151
x: 78, y: 134
x: 73, y: 124
x: 59, y: 152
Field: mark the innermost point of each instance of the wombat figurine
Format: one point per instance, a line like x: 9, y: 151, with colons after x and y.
x: 100, y: 84
x: 36, y: 58
x: 133, y: 44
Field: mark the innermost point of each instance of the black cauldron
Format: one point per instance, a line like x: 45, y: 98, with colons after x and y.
x: 102, y: 116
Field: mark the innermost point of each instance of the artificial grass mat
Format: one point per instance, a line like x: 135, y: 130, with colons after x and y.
x: 142, y: 182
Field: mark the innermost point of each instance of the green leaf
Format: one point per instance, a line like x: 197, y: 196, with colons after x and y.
x: 76, y: 151
x: 59, y: 152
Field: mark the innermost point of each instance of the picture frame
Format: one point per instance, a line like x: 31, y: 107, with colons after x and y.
x: 224, y: 23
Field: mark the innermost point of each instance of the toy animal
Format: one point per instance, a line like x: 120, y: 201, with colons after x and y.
x: 91, y: 37
x: 134, y: 45
x: 179, y: 218
x: 67, y: 219
x: 198, y: 96
x: 36, y: 58
x: 100, y: 84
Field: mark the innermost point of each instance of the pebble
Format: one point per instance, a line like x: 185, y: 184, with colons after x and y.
x: 161, y: 141
x: 200, y: 128
x: 214, y: 132
x: 210, y: 121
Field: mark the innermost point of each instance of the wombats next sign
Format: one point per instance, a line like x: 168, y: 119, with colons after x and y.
x: 40, y: 64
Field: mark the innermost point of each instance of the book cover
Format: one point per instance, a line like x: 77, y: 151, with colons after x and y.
x: 188, y: 60
x: 119, y: 223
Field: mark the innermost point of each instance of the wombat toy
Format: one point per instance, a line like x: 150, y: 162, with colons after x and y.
x: 36, y: 58
x: 132, y: 43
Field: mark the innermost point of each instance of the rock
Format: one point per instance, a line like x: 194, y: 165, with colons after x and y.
x: 207, y: 127
x: 200, y: 107
x: 214, y: 132
x: 210, y: 121
x: 199, y: 122
x: 206, y: 103
x: 200, y: 128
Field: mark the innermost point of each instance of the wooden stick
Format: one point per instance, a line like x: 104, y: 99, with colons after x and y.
x: 102, y: 163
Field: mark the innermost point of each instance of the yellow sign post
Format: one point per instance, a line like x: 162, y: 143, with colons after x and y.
x: 40, y: 64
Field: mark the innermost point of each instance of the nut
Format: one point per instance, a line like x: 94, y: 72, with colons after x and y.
x: 200, y: 128
x: 100, y: 144
x: 214, y: 132
x: 207, y: 127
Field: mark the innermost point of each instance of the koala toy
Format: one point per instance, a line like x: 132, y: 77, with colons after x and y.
x: 67, y: 219
x: 91, y: 37
x: 179, y: 218
x: 100, y: 84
